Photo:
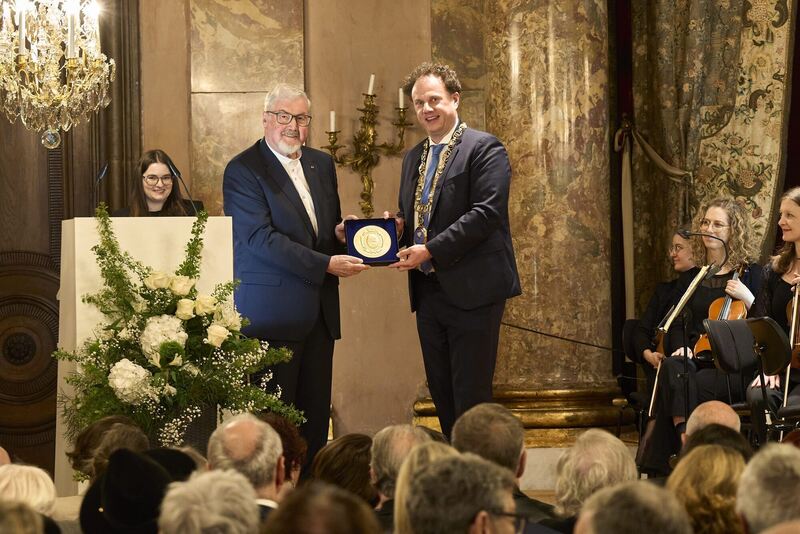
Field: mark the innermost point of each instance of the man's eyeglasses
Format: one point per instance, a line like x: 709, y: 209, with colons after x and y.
x: 714, y: 225
x: 285, y: 118
x: 152, y: 179
x: 520, y: 521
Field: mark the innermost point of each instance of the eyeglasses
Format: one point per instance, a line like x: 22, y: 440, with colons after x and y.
x: 152, y: 179
x: 520, y: 521
x: 285, y: 118
x: 714, y: 225
x: 674, y: 249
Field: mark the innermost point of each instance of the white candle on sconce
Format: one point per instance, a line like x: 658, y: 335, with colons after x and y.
x: 19, y: 8
x: 371, y: 84
x: 333, y: 121
x: 401, y: 101
x: 72, y: 10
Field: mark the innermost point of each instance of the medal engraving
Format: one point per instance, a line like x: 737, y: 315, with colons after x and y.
x: 372, y: 241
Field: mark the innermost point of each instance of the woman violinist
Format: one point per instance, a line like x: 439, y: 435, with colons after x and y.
x: 739, y: 278
x: 781, y: 275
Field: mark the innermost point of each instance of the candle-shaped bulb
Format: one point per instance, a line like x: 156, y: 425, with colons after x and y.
x: 371, y: 84
x: 401, y: 101
x: 333, y: 121
x: 72, y: 10
x: 20, y: 8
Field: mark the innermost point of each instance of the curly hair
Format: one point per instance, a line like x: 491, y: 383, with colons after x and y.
x: 443, y: 72
x: 705, y: 481
x: 741, y: 243
x: 782, y: 261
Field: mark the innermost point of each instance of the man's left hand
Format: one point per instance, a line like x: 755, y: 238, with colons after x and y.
x: 411, y: 258
x: 340, y: 228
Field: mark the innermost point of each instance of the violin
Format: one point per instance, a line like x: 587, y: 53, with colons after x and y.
x: 723, y: 308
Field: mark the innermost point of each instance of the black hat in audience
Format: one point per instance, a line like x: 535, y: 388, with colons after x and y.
x: 126, y: 499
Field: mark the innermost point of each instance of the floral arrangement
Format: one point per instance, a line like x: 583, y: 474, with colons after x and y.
x: 164, y: 351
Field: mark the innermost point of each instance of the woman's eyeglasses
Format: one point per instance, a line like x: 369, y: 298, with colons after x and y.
x: 714, y: 225
x: 152, y: 179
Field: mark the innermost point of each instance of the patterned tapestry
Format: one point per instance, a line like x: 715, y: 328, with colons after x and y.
x: 709, y: 85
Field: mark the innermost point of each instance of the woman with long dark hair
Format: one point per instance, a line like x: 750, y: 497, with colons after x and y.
x: 157, y: 192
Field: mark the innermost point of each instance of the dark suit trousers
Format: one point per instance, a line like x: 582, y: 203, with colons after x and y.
x: 305, y: 381
x: 459, y: 349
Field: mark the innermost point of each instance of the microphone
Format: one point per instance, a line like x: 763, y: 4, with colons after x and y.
x: 176, y: 173
x: 99, y: 178
x: 686, y: 234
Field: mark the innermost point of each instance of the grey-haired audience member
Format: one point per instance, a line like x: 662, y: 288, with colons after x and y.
x: 492, y: 432
x: 460, y: 493
x: 212, y: 501
x: 19, y: 518
x: 390, y: 447
x: 633, y: 507
x: 769, y: 488
x: 28, y: 484
x: 251, y: 447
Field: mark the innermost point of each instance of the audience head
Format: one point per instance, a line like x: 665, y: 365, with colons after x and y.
x: 118, y: 436
x: 127, y: 497
x: 458, y: 493
x: 345, y: 462
x: 210, y: 501
x: 390, y: 447
x: 713, y: 412
x: 250, y: 446
x: 435, y: 435
x: 28, y: 484
x: 769, y: 487
x: 200, y: 461
x: 419, y: 458
x: 715, y: 434
x: 82, y: 456
x: 295, y: 447
x: 492, y: 432
x: 597, y: 460
x: 156, y: 188
x: 633, y: 507
x: 317, y: 507
x: 19, y: 518
x: 705, y: 482
x: 792, y: 438
x: 5, y: 458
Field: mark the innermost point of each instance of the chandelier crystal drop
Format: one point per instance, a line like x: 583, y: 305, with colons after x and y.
x: 52, y: 72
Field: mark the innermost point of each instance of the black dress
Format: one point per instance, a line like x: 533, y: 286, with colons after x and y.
x: 187, y: 205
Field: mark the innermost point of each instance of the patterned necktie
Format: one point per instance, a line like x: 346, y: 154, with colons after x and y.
x: 436, y: 151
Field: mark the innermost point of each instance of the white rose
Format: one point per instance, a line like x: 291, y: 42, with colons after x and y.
x: 227, y: 316
x: 158, y: 280
x: 160, y: 329
x: 181, y: 285
x: 205, y: 304
x: 216, y: 335
x: 169, y: 391
x: 185, y: 309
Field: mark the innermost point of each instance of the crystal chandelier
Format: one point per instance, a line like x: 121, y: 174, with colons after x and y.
x: 52, y: 72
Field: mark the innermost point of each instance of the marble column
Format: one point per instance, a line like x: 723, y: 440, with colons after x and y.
x: 546, y: 98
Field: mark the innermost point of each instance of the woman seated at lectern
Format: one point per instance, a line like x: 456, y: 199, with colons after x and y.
x: 157, y: 193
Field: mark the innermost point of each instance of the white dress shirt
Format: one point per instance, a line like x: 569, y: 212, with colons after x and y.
x: 295, y: 171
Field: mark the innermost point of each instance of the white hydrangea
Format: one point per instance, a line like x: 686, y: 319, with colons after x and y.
x: 131, y: 382
x: 159, y: 330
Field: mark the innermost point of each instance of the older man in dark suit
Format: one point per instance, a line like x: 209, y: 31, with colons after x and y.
x: 288, y: 235
x: 454, y: 204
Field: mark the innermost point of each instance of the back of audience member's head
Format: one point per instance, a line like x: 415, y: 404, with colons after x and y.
x: 317, y: 508
x: 345, y: 462
x: 118, y: 436
x: 249, y: 446
x: 210, y: 501
x: 28, y: 484
x: 390, y: 447
x: 81, y: 457
x: 200, y: 461
x: 715, y: 434
x: 713, y: 412
x: 597, y: 460
x: 491, y: 431
x: 705, y: 482
x: 419, y: 458
x: 633, y: 507
x: 19, y: 518
x: 5, y: 458
x: 295, y: 447
x: 769, y: 488
x: 792, y: 438
x: 452, y: 494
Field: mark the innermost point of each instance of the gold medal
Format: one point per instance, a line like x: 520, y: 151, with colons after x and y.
x: 372, y: 241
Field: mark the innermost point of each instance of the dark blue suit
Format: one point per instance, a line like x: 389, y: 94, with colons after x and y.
x: 459, y: 308
x: 285, y: 292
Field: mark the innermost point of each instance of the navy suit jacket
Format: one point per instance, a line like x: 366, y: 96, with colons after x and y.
x: 468, y: 231
x: 280, y: 262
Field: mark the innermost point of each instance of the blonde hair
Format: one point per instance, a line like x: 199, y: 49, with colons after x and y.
x: 596, y: 460
x: 419, y: 457
x: 30, y: 485
x: 741, y: 243
x: 705, y: 482
x: 782, y: 261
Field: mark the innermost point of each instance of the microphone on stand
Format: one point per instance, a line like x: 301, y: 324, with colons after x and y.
x: 686, y: 234
x: 99, y: 178
x: 175, y: 172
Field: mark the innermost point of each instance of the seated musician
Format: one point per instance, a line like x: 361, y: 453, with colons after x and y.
x: 738, y: 278
x: 781, y: 275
